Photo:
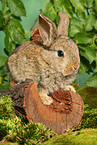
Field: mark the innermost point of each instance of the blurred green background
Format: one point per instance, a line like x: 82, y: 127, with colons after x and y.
x: 32, y: 10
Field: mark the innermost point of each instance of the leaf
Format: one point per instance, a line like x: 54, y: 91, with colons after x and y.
x: 16, y: 7
x: 75, y: 26
x: 82, y: 78
x: 78, y: 4
x: 47, y: 4
x: 3, y: 60
x: 16, y: 30
x: 8, y: 41
x: 89, y: 3
x: 95, y: 25
x: 49, y: 11
x: 89, y: 53
x: 83, y: 38
x: 90, y: 22
x: 58, y: 5
x: 4, y: 86
x: 83, y: 68
x: 74, y: 29
x: 66, y: 7
x: 80, y: 13
x: 92, y: 81
x: 83, y: 2
x: 16, y: 23
x: 1, y: 79
x: 77, y: 22
x: 7, y: 16
x: 16, y: 35
x: 9, y: 45
x: 96, y: 5
x: 1, y: 18
x: 4, y: 6
x: 2, y: 71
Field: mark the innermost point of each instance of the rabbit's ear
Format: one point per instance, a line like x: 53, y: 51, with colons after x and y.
x: 63, y: 24
x: 47, y: 30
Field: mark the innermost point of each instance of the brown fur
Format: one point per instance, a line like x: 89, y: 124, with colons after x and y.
x: 42, y: 64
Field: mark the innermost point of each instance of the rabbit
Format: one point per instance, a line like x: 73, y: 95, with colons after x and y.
x: 53, y: 64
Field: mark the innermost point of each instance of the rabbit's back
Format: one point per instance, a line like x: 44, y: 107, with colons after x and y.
x: 24, y: 63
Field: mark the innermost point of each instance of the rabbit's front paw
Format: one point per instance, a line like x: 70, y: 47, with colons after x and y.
x: 69, y: 87
x: 46, y: 100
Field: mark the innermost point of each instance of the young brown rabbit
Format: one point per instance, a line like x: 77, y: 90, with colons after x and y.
x: 53, y: 64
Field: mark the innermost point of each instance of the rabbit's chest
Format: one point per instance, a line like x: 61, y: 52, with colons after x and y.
x: 52, y: 80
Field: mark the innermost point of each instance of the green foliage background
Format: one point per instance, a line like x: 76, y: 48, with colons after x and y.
x: 19, y: 23
x: 82, y: 29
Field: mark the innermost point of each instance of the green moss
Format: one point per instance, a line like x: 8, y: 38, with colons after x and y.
x: 31, y: 134
x: 7, y: 116
x: 83, y: 137
x: 13, y: 129
x: 9, y: 127
x: 89, y: 95
x: 9, y: 143
x: 89, y: 119
x: 6, y: 108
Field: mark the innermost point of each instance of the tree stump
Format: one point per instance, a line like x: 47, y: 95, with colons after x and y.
x: 63, y: 115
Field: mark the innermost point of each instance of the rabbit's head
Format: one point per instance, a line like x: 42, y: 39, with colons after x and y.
x: 60, y: 53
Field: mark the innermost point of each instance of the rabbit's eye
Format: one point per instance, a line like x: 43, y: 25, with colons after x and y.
x: 60, y: 53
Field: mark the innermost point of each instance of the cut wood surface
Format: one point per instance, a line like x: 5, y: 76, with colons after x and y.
x: 63, y: 115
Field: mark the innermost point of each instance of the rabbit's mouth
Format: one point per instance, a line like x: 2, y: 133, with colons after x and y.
x: 70, y: 71
x: 75, y: 69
